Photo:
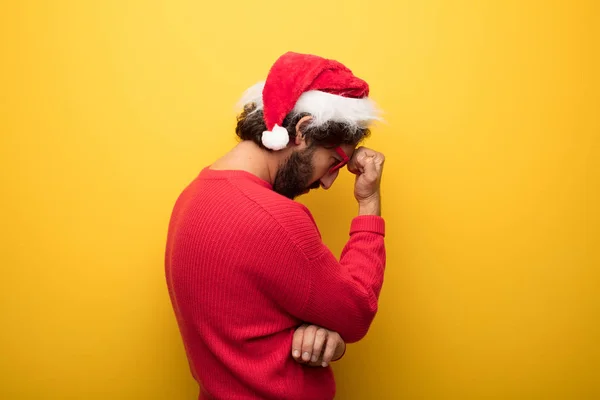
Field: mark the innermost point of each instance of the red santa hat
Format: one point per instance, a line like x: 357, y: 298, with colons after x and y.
x: 305, y: 83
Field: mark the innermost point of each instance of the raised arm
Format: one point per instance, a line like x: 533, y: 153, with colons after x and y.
x: 342, y: 295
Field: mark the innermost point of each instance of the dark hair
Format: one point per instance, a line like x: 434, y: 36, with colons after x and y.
x: 251, y: 124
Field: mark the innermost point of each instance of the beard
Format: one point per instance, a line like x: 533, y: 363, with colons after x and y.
x: 294, y: 175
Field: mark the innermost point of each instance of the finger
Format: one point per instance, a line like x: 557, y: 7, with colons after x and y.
x: 320, y: 338
x: 370, y: 170
x: 357, y: 162
x: 354, y: 163
x: 357, y: 167
x: 332, y: 343
x: 297, y: 342
x: 379, y: 161
x: 308, y: 342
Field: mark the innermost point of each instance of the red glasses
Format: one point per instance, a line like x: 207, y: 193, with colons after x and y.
x: 344, y: 161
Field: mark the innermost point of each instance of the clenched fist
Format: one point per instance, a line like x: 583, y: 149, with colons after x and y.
x: 367, y: 165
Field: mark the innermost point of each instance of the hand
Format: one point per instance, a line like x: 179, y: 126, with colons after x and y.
x: 367, y: 165
x: 316, y: 346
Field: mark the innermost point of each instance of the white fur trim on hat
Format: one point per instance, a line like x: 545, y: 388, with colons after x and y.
x: 276, y: 139
x: 323, y: 107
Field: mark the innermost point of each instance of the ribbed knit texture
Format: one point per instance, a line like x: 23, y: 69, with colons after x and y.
x: 245, y: 267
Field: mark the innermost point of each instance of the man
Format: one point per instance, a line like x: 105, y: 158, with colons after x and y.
x: 262, y: 305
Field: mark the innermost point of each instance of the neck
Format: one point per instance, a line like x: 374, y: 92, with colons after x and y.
x: 248, y: 156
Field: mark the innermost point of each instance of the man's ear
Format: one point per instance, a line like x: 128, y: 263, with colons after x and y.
x: 300, y: 128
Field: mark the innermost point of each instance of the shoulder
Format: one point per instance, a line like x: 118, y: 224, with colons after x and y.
x: 288, y: 218
x: 256, y: 207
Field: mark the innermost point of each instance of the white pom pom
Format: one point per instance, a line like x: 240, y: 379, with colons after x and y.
x: 276, y: 139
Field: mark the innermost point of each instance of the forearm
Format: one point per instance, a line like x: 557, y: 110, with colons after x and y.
x: 338, y: 294
x: 344, y: 293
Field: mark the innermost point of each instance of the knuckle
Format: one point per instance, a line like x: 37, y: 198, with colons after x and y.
x: 321, y: 333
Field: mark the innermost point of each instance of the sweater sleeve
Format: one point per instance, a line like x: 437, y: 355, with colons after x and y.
x: 339, y: 295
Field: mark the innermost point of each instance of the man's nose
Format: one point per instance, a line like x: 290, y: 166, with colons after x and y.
x: 328, y: 179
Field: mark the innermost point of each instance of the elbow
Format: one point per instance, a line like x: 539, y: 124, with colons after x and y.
x: 360, y: 323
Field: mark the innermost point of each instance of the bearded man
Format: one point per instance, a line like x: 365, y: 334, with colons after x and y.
x: 262, y: 305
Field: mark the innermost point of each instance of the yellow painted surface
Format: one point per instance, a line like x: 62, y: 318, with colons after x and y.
x: 492, y: 187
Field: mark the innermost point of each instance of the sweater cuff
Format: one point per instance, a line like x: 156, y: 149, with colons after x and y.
x: 368, y: 223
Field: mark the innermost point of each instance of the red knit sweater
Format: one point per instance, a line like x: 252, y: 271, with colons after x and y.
x: 245, y: 267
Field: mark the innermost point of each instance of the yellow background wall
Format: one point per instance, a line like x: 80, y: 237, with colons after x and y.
x: 492, y: 187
